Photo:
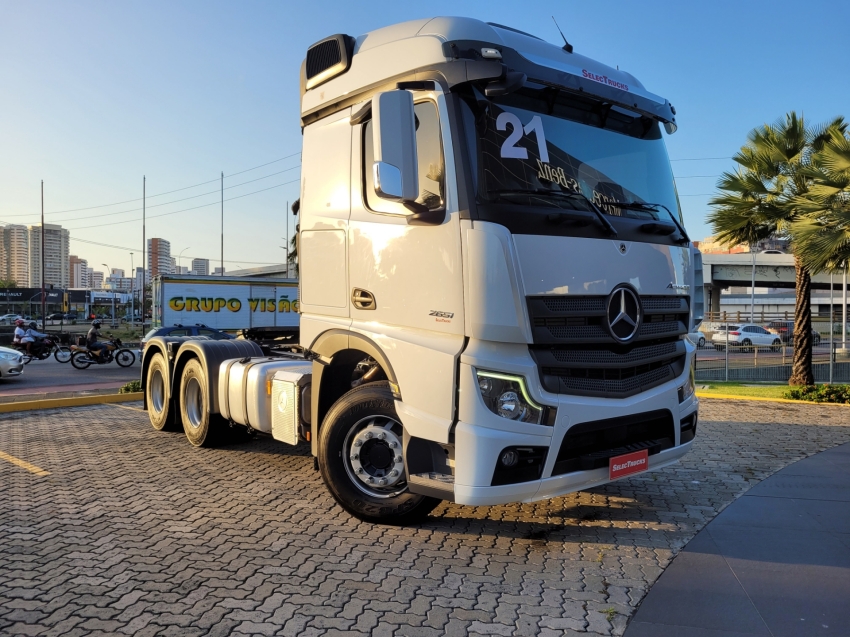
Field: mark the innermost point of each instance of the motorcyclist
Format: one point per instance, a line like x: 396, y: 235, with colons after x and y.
x: 91, y: 340
x: 21, y: 337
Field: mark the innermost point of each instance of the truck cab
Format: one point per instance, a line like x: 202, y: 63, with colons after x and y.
x: 495, y: 280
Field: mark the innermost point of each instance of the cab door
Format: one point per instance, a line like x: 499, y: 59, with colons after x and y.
x: 406, y: 281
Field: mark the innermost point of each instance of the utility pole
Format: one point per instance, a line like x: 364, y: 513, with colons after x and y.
x: 144, y: 253
x: 132, y: 292
x: 43, y: 313
x: 222, y: 223
x: 286, y: 216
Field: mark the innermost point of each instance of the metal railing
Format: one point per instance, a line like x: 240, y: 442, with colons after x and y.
x: 757, y: 356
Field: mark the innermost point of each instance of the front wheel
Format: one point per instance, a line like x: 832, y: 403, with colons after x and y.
x: 777, y: 345
x: 62, y: 354
x: 360, y: 458
x: 701, y: 342
x: 81, y: 360
x: 125, y: 357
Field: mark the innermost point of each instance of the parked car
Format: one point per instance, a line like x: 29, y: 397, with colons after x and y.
x: 185, y: 330
x: 11, y: 362
x: 785, y: 331
x: 697, y: 338
x: 9, y: 319
x: 56, y: 316
x: 745, y: 336
x: 71, y: 316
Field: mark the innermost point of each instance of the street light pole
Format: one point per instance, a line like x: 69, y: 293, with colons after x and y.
x: 753, y: 288
x: 43, y: 311
x: 179, y: 256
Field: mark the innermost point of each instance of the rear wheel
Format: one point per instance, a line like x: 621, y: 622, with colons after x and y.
x: 701, y: 342
x: 201, y: 427
x: 62, y: 354
x: 360, y: 458
x: 160, y: 412
x: 777, y: 345
x: 81, y: 360
x: 746, y: 345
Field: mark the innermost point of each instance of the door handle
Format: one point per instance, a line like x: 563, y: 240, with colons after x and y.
x: 363, y: 299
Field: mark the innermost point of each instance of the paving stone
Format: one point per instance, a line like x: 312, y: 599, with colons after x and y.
x: 136, y: 533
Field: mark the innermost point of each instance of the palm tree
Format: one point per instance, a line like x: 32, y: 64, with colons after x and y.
x: 761, y: 200
x: 823, y: 232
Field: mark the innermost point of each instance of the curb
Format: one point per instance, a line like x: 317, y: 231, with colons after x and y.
x: 53, y: 403
x: 768, y: 400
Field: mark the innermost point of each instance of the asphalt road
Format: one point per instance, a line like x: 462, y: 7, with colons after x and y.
x: 50, y: 375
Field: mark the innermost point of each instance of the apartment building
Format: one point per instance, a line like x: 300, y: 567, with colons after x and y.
x: 159, y: 257
x: 56, y: 255
x: 14, y: 254
x: 201, y: 266
x: 78, y: 270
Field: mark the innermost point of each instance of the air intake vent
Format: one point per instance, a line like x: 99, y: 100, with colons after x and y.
x: 327, y: 59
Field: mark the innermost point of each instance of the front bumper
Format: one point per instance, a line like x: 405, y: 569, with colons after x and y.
x: 12, y: 369
x: 481, y: 436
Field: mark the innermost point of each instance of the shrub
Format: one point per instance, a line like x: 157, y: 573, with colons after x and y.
x: 132, y: 387
x: 821, y: 393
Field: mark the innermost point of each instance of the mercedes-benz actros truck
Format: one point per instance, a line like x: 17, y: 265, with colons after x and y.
x: 495, y: 280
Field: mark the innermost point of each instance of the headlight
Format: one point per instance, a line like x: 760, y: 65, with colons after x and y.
x: 9, y: 356
x: 687, y: 390
x: 506, y: 396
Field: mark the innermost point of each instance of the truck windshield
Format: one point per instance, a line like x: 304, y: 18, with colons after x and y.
x: 534, y: 146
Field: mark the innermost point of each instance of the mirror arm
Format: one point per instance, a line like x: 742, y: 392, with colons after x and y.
x: 422, y: 216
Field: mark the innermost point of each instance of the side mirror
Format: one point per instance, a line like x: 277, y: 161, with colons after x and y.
x: 395, y: 169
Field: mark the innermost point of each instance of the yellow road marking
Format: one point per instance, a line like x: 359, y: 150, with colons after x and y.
x: 23, y: 464
x: 125, y: 407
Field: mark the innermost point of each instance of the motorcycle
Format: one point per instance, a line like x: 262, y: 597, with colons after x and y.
x: 43, y: 347
x: 82, y: 357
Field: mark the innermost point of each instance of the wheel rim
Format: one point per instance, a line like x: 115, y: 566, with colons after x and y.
x: 372, y: 455
x: 157, y: 391
x: 124, y: 358
x: 62, y: 355
x: 194, y: 402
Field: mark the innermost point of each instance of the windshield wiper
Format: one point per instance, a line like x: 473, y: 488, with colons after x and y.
x: 564, y: 195
x: 644, y: 205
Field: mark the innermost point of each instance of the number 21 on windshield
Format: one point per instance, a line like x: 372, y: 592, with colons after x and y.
x: 509, y: 148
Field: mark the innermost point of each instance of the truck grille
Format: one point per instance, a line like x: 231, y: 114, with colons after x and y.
x: 576, y: 355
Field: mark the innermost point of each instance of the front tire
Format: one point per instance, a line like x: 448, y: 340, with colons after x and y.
x: 201, y: 427
x: 62, y: 354
x: 125, y: 357
x: 81, y: 360
x: 360, y: 455
x: 701, y: 342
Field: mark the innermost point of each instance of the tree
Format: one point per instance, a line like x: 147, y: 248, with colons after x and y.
x: 8, y: 283
x: 823, y: 234
x: 761, y: 199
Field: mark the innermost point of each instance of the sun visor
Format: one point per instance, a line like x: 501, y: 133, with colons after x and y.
x: 615, y: 90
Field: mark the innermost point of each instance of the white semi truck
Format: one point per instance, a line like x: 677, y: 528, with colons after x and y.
x: 495, y: 280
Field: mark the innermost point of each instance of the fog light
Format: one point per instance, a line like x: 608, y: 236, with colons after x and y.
x: 509, y: 458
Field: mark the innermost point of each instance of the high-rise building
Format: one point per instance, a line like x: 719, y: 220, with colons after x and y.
x: 95, y: 280
x: 141, y: 280
x: 159, y: 257
x: 219, y: 271
x: 56, y: 255
x: 78, y: 270
x: 201, y: 266
x: 117, y: 272
x: 181, y: 269
x: 14, y: 254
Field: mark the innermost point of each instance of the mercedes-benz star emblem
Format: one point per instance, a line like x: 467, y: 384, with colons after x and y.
x: 624, y: 314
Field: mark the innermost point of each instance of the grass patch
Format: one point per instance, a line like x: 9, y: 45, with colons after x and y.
x: 742, y: 389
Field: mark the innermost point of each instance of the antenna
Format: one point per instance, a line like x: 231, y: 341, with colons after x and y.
x: 567, y: 46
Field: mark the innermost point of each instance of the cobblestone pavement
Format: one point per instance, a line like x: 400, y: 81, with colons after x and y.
x: 136, y: 533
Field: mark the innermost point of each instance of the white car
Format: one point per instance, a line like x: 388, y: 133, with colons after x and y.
x: 697, y: 338
x: 11, y: 362
x: 8, y: 319
x: 745, y: 336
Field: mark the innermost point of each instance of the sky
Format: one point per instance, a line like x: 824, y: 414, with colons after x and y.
x: 94, y: 95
